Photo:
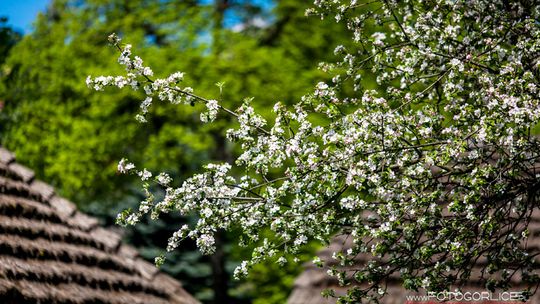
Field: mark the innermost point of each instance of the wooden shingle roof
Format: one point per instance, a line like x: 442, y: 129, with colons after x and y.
x: 309, y: 285
x: 52, y: 253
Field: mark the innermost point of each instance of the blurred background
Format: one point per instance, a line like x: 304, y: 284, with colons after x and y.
x: 73, y: 137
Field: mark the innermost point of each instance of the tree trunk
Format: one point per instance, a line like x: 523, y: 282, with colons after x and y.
x: 220, y: 276
x: 219, y: 12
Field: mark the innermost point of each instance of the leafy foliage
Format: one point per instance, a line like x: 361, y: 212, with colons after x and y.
x: 8, y: 38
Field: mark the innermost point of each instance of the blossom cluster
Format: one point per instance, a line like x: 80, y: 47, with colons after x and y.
x: 427, y: 169
x: 138, y: 77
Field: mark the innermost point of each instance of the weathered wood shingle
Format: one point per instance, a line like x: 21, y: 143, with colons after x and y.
x: 309, y: 285
x: 52, y: 253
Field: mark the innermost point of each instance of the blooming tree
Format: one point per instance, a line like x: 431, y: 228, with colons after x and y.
x: 429, y: 170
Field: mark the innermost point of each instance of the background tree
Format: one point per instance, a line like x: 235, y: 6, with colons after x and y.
x: 428, y: 169
x: 8, y: 38
x: 74, y: 138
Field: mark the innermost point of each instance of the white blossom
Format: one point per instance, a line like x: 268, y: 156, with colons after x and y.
x: 124, y: 166
x: 144, y: 174
x: 378, y: 38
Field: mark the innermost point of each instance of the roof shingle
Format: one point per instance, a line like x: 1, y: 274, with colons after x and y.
x: 52, y: 253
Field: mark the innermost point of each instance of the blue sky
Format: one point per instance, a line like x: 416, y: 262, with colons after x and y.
x: 21, y: 13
